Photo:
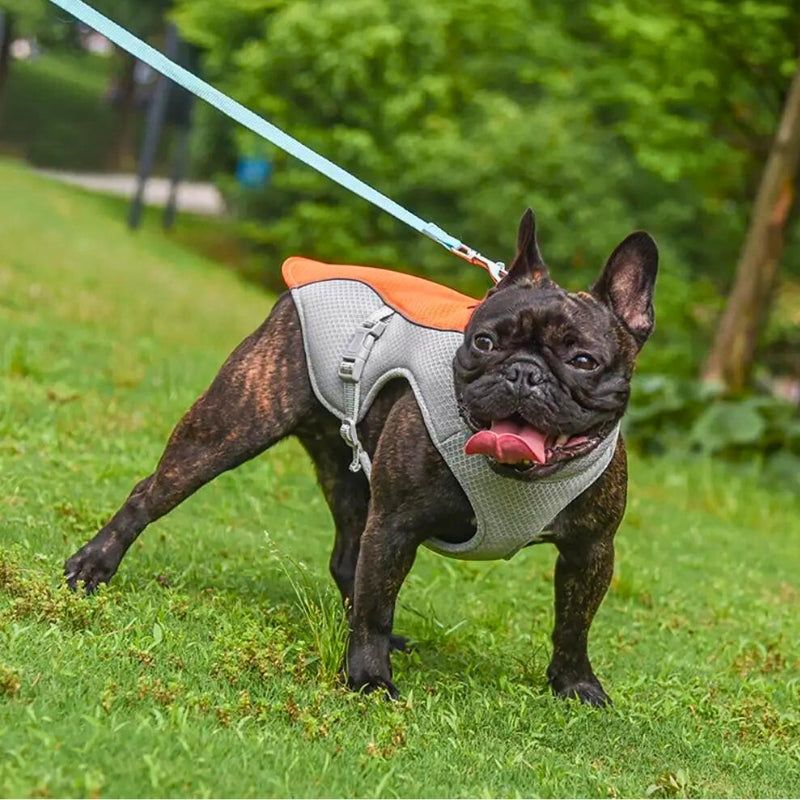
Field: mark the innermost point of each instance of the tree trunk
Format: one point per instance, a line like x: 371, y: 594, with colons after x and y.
x: 730, y: 361
x: 121, y: 149
x: 6, y: 35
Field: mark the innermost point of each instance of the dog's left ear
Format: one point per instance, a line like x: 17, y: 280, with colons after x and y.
x: 528, y: 264
x: 627, y: 284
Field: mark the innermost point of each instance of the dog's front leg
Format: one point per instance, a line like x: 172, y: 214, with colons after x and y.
x: 414, y: 497
x: 584, y: 535
x: 583, y: 574
x: 386, y: 555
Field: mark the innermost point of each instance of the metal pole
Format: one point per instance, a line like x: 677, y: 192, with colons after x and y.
x: 154, y: 124
x: 6, y: 32
x: 179, y: 115
x: 179, y: 164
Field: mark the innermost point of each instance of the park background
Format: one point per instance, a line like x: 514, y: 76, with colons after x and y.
x: 210, y: 665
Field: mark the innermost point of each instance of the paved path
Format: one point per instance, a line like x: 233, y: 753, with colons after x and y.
x: 199, y: 198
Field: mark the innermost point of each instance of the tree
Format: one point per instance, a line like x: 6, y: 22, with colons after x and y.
x: 466, y: 111
x: 699, y: 103
x: 731, y: 358
x: 145, y: 18
x: 603, y: 116
x: 6, y: 37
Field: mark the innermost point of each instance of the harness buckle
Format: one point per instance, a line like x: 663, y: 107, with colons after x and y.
x: 351, y: 366
x: 349, y: 433
x: 355, y: 354
x: 350, y: 369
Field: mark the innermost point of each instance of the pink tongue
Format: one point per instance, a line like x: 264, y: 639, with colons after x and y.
x: 509, y: 443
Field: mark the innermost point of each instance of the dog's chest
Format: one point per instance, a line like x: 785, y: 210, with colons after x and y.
x: 339, y: 318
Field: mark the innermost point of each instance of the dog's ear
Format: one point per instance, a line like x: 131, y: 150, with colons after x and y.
x: 528, y: 264
x: 627, y: 283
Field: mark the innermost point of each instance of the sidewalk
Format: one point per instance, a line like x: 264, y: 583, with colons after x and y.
x: 198, y: 198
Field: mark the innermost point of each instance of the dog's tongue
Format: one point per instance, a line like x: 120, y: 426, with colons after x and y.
x: 509, y: 443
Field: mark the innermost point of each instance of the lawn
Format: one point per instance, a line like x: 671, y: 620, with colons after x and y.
x: 208, y: 667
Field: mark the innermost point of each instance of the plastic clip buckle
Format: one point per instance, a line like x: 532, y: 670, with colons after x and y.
x: 355, y: 355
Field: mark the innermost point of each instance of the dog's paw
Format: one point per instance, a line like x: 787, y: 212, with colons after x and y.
x: 399, y: 644
x: 90, y: 567
x: 368, y: 669
x: 588, y: 691
x: 374, y: 684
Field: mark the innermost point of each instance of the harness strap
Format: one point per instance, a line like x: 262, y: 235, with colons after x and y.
x: 351, y: 368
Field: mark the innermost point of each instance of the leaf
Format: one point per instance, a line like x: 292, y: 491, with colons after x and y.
x: 725, y: 424
x: 158, y: 634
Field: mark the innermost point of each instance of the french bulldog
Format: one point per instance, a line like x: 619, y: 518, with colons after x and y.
x: 541, y: 378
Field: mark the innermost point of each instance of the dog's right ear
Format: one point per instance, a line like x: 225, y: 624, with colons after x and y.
x: 528, y: 264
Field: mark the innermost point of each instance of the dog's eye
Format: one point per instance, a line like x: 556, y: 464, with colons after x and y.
x: 583, y: 361
x: 483, y: 342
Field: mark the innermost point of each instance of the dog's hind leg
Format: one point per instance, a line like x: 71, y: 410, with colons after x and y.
x: 258, y: 397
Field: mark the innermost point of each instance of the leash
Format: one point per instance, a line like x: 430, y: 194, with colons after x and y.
x: 244, y: 116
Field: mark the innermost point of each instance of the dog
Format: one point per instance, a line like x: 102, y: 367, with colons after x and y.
x: 538, y: 383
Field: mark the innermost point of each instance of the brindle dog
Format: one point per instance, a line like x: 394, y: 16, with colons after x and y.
x: 555, y: 365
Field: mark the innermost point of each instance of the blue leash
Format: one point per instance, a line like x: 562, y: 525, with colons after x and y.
x: 227, y: 105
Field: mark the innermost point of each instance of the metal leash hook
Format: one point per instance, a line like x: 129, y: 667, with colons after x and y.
x: 497, y: 269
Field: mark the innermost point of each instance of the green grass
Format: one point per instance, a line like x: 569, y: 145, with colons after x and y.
x: 205, y: 668
x: 216, y: 238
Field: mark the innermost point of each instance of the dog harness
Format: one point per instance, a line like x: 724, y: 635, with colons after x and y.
x: 364, y: 326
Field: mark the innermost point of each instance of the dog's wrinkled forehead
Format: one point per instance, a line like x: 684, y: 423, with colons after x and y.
x: 533, y: 312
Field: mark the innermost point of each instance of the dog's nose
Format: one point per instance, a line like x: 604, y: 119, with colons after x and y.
x: 523, y: 376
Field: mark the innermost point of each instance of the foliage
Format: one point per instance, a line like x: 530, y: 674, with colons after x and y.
x: 143, y: 17
x: 685, y: 308
x: 415, y: 101
x: 705, y: 90
x: 669, y: 412
x: 322, y: 613
x: 196, y: 672
x: 28, y: 14
x: 41, y: 19
x: 601, y: 116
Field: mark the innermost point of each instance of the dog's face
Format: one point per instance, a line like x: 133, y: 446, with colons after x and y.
x: 543, y: 375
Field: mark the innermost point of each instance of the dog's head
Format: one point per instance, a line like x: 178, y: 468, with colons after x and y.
x: 543, y: 375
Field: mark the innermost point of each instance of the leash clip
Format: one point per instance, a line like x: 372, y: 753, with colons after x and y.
x: 497, y: 269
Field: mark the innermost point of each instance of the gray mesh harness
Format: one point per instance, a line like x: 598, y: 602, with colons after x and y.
x: 355, y: 343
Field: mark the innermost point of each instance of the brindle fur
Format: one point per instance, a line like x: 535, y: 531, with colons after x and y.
x: 263, y: 394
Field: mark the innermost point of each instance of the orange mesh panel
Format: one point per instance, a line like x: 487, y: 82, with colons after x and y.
x: 418, y: 300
